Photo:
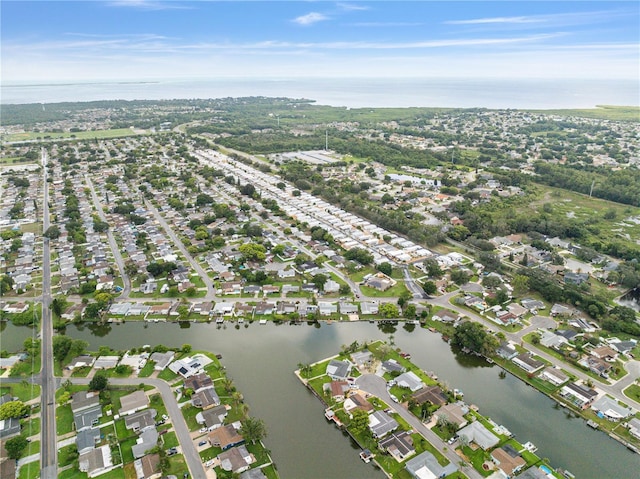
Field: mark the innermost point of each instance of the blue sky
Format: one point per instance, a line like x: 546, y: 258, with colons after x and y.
x: 149, y: 39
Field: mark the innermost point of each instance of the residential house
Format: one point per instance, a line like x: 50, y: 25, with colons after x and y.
x: 533, y: 305
x: 554, y: 376
x: 205, y: 398
x: 517, y: 310
x: 596, y: 365
x: 8, y: 468
x: 186, y: 367
x: 236, y: 460
x: 634, y: 427
x: 86, y: 410
x: 508, y: 460
x: 133, y: 402
x: 253, y: 474
x: 338, y: 370
x: 606, y: 353
x: 476, y: 432
x: 9, y: 427
x: 560, y: 310
x: 84, y: 361
x: 379, y: 281
x: 381, y: 424
x: 528, y: 363
x: 431, y: 394
x: 87, y: 439
x: 327, y: 308
x: 197, y: 382
x: 392, y: 366
x: 96, y: 461
x: 454, y: 413
x: 362, y: 358
x: 225, y: 437
x: 106, y: 362
x: 409, y: 380
x: 426, y: 466
x: 141, y: 420
x: 578, y: 394
x: 369, y: 307
x: 399, y: 445
x: 506, y: 350
x: 162, y: 360
x: 533, y: 472
x: 148, y: 467
x: 212, y: 418
x: 357, y: 401
x: 264, y: 308
x: 147, y: 440
x: 550, y: 339
x: 610, y: 409
x: 337, y: 390
x: 446, y: 316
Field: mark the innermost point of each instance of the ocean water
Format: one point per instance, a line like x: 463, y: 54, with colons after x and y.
x: 348, y: 92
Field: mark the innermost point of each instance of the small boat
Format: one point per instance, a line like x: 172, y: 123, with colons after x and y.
x: 593, y: 424
x: 366, y: 455
x: 457, y: 392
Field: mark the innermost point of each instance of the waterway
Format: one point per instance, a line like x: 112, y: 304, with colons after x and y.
x: 631, y: 299
x: 261, y: 360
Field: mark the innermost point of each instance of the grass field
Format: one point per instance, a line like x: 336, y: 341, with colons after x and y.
x: 604, y: 112
x: 80, y: 135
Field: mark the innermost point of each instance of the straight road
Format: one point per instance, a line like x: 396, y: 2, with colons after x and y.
x: 49, y: 452
x: 211, y: 292
x: 194, y: 462
x: 112, y: 242
x: 377, y: 386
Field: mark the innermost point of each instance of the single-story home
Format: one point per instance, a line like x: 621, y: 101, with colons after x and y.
x: 478, y: 433
x: 236, y: 460
x: 133, y: 402
x: 381, y: 424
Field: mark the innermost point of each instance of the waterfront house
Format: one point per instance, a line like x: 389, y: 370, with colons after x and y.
x: 338, y: 370
x: 445, y: 316
x: 362, y: 358
x: 393, y: 366
x: 527, y: 362
x: 205, y: 398
x: 225, y: 437
x: 96, y: 461
x: 508, y: 460
x: 425, y: 465
x: 133, y: 402
x: 197, y: 382
x: 554, y: 376
x: 476, y: 432
x: 506, y: 350
x: 409, y: 380
x: 357, y: 401
x: 186, y: 367
x: 634, y: 427
x: 399, y: 445
x: 381, y: 424
x: 610, y: 409
x: 236, y: 460
x: 84, y: 361
x: 337, y: 389
x: 578, y: 394
x: 431, y: 394
x: 106, y: 362
x: 162, y: 360
x: 212, y: 418
x: 454, y: 413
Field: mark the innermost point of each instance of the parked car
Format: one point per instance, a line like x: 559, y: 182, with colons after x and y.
x: 165, y: 417
x: 172, y: 451
x: 203, y: 443
x: 203, y: 429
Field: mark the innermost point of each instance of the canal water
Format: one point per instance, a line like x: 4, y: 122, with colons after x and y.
x: 261, y: 360
x: 631, y: 299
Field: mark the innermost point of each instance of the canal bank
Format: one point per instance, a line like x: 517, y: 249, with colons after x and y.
x: 261, y: 360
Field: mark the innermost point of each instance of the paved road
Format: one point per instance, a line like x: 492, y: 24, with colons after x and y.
x: 194, y: 462
x: 377, y: 386
x: 410, y: 283
x: 211, y: 292
x: 112, y: 242
x: 49, y: 452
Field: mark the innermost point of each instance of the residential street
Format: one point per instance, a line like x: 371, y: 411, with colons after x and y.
x: 377, y: 386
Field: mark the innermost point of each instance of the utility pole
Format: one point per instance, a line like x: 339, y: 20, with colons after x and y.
x: 593, y: 183
x: 326, y: 140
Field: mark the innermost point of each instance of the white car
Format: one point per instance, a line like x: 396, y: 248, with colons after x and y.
x: 203, y: 429
x: 165, y: 417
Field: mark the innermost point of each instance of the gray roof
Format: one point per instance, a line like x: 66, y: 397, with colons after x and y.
x: 140, y: 419
x: 84, y: 400
x: 478, y: 433
x: 409, y: 380
x: 253, y: 474
x: 214, y: 416
x: 148, y: 440
x: 381, y: 423
x: 87, y: 417
x: 9, y: 427
x: 338, y: 369
x: 87, y: 438
x: 610, y: 408
x: 428, y: 461
x: 533, y: 473
x: 392, y: 365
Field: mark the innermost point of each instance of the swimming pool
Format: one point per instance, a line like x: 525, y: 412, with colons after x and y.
x: 546, y: 470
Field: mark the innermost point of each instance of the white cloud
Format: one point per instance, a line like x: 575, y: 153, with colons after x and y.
x: 310, y: 18
x: 570, y: 18
x: 479, y: 21
x: 349, y: 7
x: 148, y: 5
x: 386, y: 24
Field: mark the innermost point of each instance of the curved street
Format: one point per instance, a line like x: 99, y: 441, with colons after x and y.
x: 377, y: 386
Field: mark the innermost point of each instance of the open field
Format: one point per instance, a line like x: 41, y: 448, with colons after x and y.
x: 79, y: 135
x: 603, y: 112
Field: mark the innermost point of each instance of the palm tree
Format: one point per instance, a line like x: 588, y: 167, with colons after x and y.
x: 305, y: 369
x: 253, y: 429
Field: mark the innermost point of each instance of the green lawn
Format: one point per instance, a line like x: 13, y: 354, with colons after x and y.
x: 170, y: 440
x: 30, y: 427
x: 80, y: 135
x: 177, y: 465
x: 633, y: 392
x: 147, y: 370
x: 72, y: 473
x: 64, y: 419
x: 66, y: 455
x: 24, y: 392
x: 30, y: 470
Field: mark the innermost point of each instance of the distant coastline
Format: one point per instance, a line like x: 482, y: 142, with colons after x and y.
x: 347, y: 92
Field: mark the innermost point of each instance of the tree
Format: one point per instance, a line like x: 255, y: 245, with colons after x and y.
x: 473, y: 336
x: 57, y: 306
x: 359, y: 422
x: 61, y: 347
x: 53, y: 232
x: 305, y: 369
x: 388, y: 310
x: 253, y: 429
x: 520, y: 284
x: 360, y: 255
x: 320, y: 280
x: 253, y: 251
x: 186, y: 348
x: 430, y: 288
x: 13, y: 409
x: 16, y: 446
x: 385, y: 268
x: 410, y: 311
x: 433, y: 268
x: 99, y: 381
